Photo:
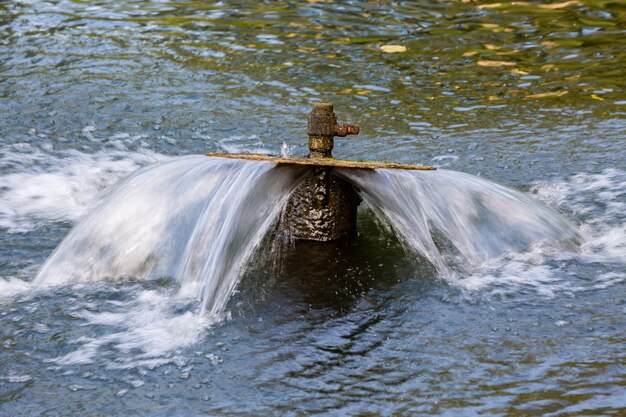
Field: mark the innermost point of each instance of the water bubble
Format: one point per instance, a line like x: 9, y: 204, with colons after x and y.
x: 136, y: 383
x: 214, y: 359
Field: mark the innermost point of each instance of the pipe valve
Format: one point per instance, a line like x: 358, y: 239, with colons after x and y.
x: 323, y: 127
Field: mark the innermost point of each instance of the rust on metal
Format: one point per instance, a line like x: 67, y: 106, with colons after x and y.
x: 322, y: 127
x: 345, y: 129
x: 322, y: 162
x: 324, y: 206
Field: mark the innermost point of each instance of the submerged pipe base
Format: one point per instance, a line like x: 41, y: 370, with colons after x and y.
x: 322, y: 208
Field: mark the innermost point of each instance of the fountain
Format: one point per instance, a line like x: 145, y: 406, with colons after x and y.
x: 200, y: 219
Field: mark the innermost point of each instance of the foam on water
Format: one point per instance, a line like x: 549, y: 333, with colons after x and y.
x: 11, y: 287
x: 599, y: 202
x: 149, y: 330
x: 484, y: 237
x: 198, y: 220
x: 38, y: 186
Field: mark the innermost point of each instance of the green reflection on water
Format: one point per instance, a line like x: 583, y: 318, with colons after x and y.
x: 458, y: 53
x: 470, y: 64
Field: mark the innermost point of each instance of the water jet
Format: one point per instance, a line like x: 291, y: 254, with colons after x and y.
x: 201, y: 219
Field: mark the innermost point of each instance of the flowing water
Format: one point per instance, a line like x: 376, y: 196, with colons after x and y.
x: 473, y: 219
x: 194, y: 218
x: 139, y: 279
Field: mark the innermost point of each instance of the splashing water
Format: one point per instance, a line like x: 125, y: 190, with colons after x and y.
x: 37, y: 185
x: 194, y: 218
x: 199, y: 220
x: 459, y: 220
x: 285, y: 150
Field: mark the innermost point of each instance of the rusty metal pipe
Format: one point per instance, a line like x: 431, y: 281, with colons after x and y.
x: 323, y: 127
x: 324, y: 206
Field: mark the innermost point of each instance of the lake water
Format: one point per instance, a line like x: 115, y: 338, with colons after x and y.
x: 527, y: 94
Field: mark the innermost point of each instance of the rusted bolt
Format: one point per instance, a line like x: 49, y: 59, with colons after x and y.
x: 323, y: 127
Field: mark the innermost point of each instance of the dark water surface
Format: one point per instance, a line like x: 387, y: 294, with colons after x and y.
x: 529, y: 94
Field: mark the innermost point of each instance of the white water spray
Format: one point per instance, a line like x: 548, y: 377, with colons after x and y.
x: 199, y: 220
x: 194, y: 218
x: 452, y: 218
